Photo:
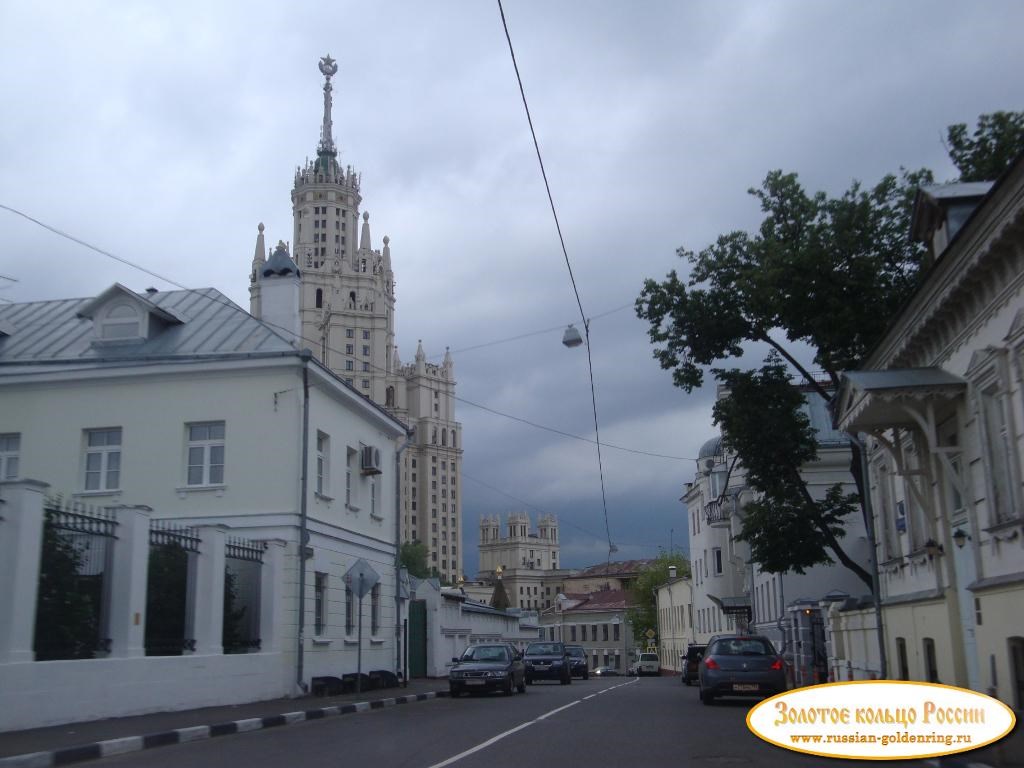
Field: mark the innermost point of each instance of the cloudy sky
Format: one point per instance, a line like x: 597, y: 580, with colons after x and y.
x: 165, y: 132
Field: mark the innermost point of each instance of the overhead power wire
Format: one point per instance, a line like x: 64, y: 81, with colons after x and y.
x: 565, y: 253
x: 228, y: 303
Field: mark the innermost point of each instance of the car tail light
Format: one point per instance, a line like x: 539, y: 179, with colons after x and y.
x: 777, y: 664
x: 710, y: 663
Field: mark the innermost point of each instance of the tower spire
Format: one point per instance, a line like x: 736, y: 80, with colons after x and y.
x: 329, y: 68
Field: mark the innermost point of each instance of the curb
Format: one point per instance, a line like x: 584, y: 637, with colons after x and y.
x: 127, y: 744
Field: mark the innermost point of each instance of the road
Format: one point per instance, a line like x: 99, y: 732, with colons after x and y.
x: 599, y: 722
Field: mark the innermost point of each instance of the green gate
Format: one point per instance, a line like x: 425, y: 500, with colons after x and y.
x: 417, y: 638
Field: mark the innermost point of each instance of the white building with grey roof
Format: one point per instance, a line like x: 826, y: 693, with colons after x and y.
x: 182, y: 408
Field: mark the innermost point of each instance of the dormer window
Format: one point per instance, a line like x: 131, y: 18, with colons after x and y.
x: 120, y: 321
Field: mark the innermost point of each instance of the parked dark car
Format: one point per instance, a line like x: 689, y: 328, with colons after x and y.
x: 741, y: 665
x: 578, y: 666
x: 547, y: 661
x: 691, y: 662
x: 606, y: 672
x: 491, y: 667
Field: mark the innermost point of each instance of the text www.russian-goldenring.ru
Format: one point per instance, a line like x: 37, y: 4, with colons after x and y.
x: 905, y: 737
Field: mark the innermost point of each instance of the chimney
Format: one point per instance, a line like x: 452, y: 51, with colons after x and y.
x: 671, y: 572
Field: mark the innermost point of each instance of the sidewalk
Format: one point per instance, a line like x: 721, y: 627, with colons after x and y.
x: 75, y: 742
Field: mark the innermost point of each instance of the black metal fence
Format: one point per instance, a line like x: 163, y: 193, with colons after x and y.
x: 168, y: 590
x: 244, y: 561
x: 73, y: 601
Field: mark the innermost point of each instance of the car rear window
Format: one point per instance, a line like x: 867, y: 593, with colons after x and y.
x: 742, y: 646
x: 542, y: 648
x: 648, y: 657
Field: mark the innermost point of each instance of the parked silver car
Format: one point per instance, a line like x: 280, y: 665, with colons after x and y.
x: 740, y: 665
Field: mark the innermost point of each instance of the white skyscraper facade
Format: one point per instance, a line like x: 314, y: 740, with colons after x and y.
x: 347, y: 319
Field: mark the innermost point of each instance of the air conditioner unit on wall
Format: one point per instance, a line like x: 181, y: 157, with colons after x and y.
x: 371, y: 460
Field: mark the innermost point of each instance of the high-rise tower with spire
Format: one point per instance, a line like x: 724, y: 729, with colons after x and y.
x: 347, y: 319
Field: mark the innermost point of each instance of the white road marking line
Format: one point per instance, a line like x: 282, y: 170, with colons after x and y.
x: 521, y: 726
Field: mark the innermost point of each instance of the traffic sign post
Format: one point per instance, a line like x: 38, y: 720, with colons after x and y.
x: 360, y: 578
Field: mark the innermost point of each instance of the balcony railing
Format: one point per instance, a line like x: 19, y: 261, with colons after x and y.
x: 716, y: 513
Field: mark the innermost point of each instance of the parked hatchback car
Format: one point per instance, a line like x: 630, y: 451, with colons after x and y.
x: 691, y: 662
x: 547, y: 661
x: 578, y: 666
x: 491, y: 667
x: 741, y: 665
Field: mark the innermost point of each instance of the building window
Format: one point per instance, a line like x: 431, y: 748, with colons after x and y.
x: 366, y: 383
x: 572, y: 633
x: 716, y: 558
x: 593, y: 632
x: 366, y: 367
x: 350, y: 457
x: 615, y: 631
x: 931, y: 662
x: 349, y: 366
x: 366, y: 349
x: 10, y: 448
x: 349, y: 349
x: 375, y: 609
x: 350, y: 610
x: 206, y: 453
x: 102, y: 459
x: 373, y: 497
x: 120, y: 322
x: 366, y: 334
x: 319, y: 298
x: 323, y: 461
x: 604, y: 632
x: 349, y: 333
x: 999, y: 452
x: 901, y: 658
x: 319, y: 602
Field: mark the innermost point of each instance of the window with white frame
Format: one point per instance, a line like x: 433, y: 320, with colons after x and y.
x: 999, y: 451
x: 10, y: 453
x: 375, y: 609
x: 350, y: 610
x: 319, y: 602
x: 323, y: 463
x: 205, y: 453
x: 716, y: 559
x: 102, y: 459
x: 120, y: 321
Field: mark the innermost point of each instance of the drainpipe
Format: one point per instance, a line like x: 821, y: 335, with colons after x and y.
x: 398, y: 555
x: 305, y: 356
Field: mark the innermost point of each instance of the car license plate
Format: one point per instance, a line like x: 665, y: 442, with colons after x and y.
x: 745, y: 687
x: 474, y: 682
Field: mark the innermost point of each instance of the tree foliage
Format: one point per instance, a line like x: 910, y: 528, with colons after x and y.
x: 643, y: 615
x: 826, y: 272
x: 997, y: 140
x: 413, y: 556
x: 765, y: 403
x: 67, y: 604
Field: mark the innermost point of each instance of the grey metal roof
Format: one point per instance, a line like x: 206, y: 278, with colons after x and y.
x: 902, y: 378
x: 212, y: 325
x: 711, y: 448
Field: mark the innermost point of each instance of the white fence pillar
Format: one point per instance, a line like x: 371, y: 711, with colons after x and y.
x: 21, y: 542
x: 209, y: 595
x: 271, y: 578
x: 128, y: 581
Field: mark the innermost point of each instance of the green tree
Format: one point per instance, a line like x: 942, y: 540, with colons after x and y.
x: 765, y: 402
x: 643, y: 615
x: 983, y: 156
x: 67, y: 609
x: 166, y: 600
x: 413, y: 555
x: 825, y: 272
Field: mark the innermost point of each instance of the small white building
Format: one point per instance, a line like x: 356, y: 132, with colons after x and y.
x: 181, y: 410
x: 676, y: 630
